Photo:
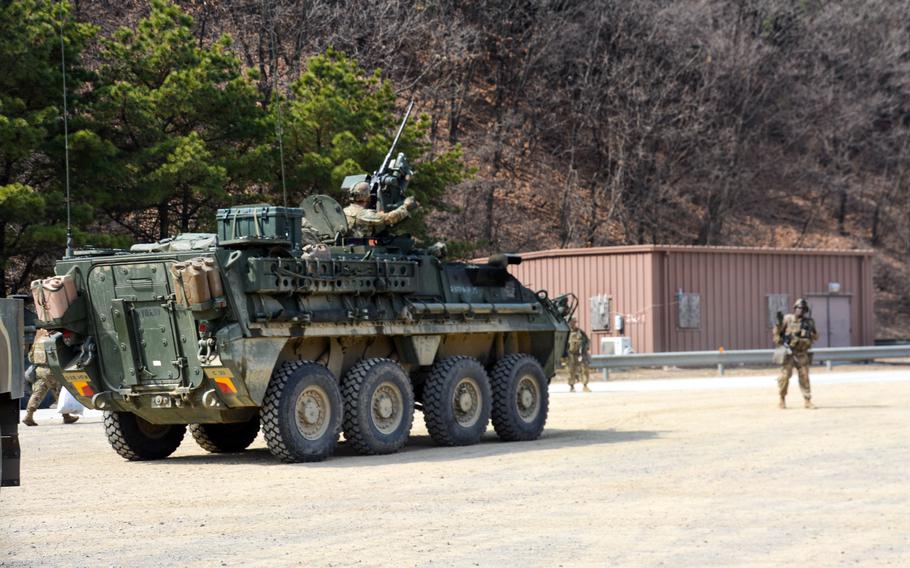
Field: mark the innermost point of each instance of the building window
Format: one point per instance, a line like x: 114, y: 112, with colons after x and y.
x: 600, y: 313
x: 777, y: 303
x: 689, y: 311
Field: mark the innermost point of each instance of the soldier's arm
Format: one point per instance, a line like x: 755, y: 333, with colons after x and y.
x: 776, y: 334
x: 373, y: 218
x: 397, y: 215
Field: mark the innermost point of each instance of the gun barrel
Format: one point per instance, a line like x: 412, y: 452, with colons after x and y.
x: 407, y: 113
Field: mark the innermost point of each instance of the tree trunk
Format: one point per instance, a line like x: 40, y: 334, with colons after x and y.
x: 185, y: 212
x: 2, y: 258
x: 842, y: 213
x: 163, y: 219
x: 711, y: 223
x: 876, y: 224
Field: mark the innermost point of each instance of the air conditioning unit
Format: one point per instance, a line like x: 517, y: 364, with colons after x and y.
x: 615, y: 345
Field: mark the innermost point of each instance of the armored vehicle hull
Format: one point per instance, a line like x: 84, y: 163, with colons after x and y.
x: 12, y: 382
x: 303, y: 344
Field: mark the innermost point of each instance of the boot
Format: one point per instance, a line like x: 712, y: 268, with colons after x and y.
x: 586, y: 389
x: 571, y: 388
x: 808, y: 404
x: 782, y: 404
x: 69, y: 418
x: 29, y: 419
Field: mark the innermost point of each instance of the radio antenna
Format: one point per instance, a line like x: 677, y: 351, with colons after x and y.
x: 279, y: 130
x: 66, y: 141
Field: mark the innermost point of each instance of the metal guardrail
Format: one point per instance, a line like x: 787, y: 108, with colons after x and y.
x: 741, y: 357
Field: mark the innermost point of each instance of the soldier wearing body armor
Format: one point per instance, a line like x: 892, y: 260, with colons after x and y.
x: 43, y: 381
x: 366, y: 222
x: 579, y: 356
x: 795, y: 333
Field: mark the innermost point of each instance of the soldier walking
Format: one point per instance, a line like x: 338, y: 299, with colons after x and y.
x: 44, y: 381
x: 579, y: 356
x: 795, y: 333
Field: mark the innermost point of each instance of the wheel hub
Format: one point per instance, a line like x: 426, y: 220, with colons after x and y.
x: 388, y: 407
x: 527, y: 398
x: 385, y: 406
x: 313, y: 412
x: 466, y: 402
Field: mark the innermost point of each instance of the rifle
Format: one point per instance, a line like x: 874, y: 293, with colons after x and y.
x: 386, y: 185
x: 784, y: 337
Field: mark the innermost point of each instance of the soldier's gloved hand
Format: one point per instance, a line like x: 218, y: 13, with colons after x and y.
x: 410, y: 203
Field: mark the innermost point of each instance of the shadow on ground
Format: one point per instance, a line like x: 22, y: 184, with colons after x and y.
x: 423, y: 449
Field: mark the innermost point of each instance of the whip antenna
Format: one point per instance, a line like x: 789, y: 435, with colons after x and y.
x: 279, y: 130
x: 66, y: 142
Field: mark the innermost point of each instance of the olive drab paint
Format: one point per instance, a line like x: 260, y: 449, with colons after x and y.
x: 196, y: 337
x: 12, y: 385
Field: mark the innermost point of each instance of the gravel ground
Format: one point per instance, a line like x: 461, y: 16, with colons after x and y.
x: 700, y: 477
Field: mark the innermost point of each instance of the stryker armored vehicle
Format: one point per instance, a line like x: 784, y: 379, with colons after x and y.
x: 284, y: 322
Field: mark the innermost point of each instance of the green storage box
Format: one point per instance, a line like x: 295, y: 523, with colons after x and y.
x: 259, y: 224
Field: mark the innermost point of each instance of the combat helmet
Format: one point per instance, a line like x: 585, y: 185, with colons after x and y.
x: 359, y: 191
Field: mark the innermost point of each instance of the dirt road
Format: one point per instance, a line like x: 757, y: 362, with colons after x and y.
x: 699, y: 477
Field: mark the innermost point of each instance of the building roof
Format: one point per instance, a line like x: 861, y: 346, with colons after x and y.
x: 643, y: 249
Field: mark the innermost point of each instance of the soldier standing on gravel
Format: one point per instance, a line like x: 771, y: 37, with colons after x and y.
x: 366, y: 222
x: 578, y: 356
x: 43, y: 381
x: 795, y: 333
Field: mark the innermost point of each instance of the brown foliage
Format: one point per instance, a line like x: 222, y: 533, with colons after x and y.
x: 737, y: 122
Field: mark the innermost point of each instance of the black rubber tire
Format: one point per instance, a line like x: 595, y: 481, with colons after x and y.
x: 226, y: 438
x: 358, y: 388
x: 137, y: 440
x: 512, y: 421
x: 439, y: 412
x: 279, y: 412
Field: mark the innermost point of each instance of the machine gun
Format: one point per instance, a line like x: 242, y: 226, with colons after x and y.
x: 387, y: 184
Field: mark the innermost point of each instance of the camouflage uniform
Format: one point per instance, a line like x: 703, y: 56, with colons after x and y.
x: 364, y: 222
x: 796, y: 331
x: 44, y: 382
x: 578, y: 358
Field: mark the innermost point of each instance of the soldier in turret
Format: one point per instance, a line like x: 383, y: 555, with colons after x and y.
x: 796, y: 333
x: 366, y: 222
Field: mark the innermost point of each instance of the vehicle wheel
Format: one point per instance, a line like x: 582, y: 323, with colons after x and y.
x: 301, y: 414
x: 225, y: 438
x: 456, y: 401
x: 378, y: 406
x: 136, y: 439
x: 520, y: 398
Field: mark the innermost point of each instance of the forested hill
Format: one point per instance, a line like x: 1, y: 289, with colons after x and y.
x: 543, y: 123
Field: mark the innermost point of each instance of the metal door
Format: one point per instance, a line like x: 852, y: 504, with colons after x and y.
x: 832, y: 319
x: 137, y: 325
x: 839, y: 329
x: 818, y: 308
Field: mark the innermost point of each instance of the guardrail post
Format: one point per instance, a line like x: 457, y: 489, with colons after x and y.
x: 720, y: 369
x: 606, y: 373
x: 829, y: 363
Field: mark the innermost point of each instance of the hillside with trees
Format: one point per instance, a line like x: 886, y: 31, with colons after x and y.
x: 541, y: 123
